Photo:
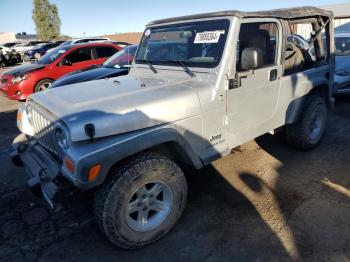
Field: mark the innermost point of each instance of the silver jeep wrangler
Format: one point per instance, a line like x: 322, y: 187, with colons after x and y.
x: 199, y: 86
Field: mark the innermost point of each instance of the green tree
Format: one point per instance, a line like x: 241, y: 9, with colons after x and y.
x: 46, y: 19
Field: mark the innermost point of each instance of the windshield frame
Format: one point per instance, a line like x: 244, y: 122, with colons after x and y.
x: 226, y: 22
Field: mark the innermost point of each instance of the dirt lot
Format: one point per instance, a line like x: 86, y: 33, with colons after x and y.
x: 264, y: 202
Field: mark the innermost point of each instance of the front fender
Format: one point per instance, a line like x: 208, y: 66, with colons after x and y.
x: 111, y: 150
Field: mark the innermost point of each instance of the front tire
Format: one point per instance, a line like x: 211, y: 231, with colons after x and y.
x: 42, y: 85
x: 307, y: 132
x: 142, y: 201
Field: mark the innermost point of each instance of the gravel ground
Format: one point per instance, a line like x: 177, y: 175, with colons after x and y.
x: 263, y: 202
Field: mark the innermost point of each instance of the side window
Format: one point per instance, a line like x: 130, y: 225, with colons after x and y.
x: 105, y: 51
x: 260, y: 36
x: 306, y: 46
x: 80, y: 55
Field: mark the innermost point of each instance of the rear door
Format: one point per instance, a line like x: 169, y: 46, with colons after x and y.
x: 102, y: 53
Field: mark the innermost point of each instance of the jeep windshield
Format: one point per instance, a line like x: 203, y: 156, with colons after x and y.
x: 196, y: 44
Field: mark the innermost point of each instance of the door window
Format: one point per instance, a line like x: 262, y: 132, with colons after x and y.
x: 105, y: 51
x: 262, y: 36
x: 80, y: 55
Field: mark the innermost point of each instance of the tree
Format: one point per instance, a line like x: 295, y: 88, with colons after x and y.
x: 46, y: 19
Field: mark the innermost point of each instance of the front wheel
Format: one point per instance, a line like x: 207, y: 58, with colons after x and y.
x: 307, y: 132
x: 42, y: 85
x: 142, y: 201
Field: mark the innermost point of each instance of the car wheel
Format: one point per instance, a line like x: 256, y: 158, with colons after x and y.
x: 42, y: 85
x: 307, y: 132
x: 142, y: 201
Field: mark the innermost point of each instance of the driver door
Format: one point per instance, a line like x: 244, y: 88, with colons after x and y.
x: 252, y: 95
x: 79, y: 58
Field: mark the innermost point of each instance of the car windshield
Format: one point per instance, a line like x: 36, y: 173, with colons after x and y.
x: 122, y: 58
x: 53, y: 55
x: 66, y: 43
x: 197, y: 44
x: 342, y: 46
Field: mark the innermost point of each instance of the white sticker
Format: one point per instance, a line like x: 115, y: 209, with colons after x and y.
x: 62, y: 51
x: 208, y: 37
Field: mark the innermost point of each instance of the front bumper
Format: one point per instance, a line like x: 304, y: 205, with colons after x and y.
x: 42, y: 168
x: 13, y: 91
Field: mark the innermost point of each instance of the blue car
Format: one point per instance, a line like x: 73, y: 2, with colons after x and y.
x: 39, y: 50
x: 116, y: 65
x: 342, y: 63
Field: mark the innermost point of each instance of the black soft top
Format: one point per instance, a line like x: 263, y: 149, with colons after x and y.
x: 288, y: 13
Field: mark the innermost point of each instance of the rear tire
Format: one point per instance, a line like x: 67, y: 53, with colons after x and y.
x: 42, y: 85
x: 142, y: 201
x: 307, y: 132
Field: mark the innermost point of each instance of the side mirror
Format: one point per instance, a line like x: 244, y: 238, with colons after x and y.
x: 66, y: 62
x: 252, y: 58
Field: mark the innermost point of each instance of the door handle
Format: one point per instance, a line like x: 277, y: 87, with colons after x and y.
x: 273, y: 75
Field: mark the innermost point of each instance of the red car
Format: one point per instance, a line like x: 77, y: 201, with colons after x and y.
x: 21, y: 81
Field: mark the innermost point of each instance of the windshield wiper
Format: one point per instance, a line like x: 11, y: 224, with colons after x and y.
x: 185, y: 67
x: 150, y: 65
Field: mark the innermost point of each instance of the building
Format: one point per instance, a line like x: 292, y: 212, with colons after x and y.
x: 7, y: 37
x: 342, y: 16
x: 12, y: 37
x: 341, y: 20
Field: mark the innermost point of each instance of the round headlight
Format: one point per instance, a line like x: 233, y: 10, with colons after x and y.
x: 61, y: 138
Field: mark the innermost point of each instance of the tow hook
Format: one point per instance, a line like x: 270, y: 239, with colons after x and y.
x: 16, y: 160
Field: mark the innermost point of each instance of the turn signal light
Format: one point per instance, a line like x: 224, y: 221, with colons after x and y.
x: 94, y: 172
x: 69, y: 164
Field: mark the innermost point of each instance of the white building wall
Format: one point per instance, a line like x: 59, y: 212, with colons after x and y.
x: 7, y: 37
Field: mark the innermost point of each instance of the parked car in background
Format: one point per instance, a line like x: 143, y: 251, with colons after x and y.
x: 342, y: 63
x: 117, y: 65
x: 9, y: 56
x: 22, y: 47
x: 39, y: 50
x: 85, y: 40
x: 11, y: 44
x: 21, y: 81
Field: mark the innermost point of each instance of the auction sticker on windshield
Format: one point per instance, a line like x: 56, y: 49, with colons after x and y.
x: 208, y: 37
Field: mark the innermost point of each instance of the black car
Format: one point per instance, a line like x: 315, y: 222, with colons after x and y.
x: 116, y: 65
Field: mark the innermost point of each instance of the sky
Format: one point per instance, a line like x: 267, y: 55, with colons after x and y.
x: 98, y: 17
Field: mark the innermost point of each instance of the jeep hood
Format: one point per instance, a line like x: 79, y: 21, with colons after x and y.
x: 119, y: 105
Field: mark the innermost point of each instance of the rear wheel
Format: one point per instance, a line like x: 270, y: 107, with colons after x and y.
x: 142, y: 201
x: 42, y: 85
x: 307, y: 132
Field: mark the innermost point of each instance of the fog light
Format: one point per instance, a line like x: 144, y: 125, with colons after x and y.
x: 18, y: 93
x: 69, y: 164
x: 94, y: 172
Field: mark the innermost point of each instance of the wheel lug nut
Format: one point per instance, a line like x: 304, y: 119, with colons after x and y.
x: 151, y: 195
x: 144, y: 196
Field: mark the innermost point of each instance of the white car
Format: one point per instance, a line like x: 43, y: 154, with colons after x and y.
x: 85, y: 40
x: 4, y: 49
x: 21, y: 48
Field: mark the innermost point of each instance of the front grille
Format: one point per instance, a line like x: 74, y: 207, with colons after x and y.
x: 44, y: 126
